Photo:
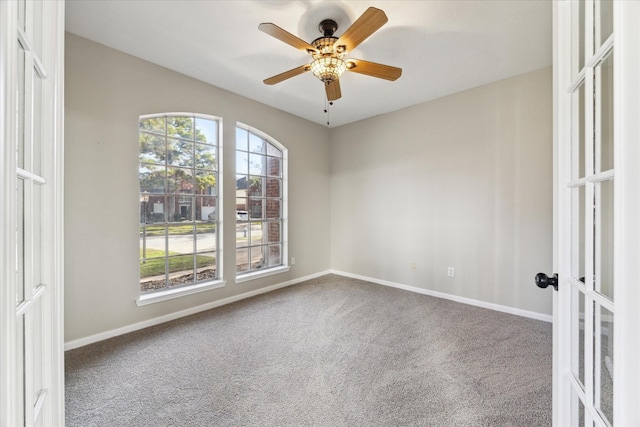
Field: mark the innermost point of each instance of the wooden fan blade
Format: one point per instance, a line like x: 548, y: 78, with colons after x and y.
x: 333, y: 90
x: 373, y: 69
x: 285, y: 36
x: 287, y: 75
x: 368, y: 23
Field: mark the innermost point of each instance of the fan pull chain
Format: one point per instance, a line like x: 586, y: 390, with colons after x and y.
x: 327, y: 103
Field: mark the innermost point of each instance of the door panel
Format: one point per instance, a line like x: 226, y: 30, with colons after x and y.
x: 596, y: 239
x: 31, y: 368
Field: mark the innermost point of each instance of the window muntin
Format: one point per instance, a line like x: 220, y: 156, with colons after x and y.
x: 179, y: 179
x: 260, y: 202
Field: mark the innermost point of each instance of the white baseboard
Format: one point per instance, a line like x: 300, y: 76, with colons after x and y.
x: 477, y: 303
x: 193, y: 310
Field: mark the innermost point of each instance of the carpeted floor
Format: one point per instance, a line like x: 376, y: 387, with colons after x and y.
x: 332, y: 351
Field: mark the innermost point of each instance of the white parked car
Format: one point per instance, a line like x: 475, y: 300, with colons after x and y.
x: 242, y: 216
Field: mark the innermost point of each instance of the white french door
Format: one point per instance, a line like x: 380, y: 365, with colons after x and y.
x: 596, y: 212
x: 31, y: 336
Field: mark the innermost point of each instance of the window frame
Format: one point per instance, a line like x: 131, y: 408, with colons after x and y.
x: 245, y: 276
x: 153, y: 296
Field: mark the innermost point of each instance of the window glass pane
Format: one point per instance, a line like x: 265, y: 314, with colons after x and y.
x: 577, y: 232
x: 273, y: 208
x: 242, y: 139
x: 180, y: 180
x: 273, y: 187
x: 257, y: 164
x: 205, y: 157
x: 206, y: 266
x: 152, y: 259
x: 22, y: 13
x: 206, y: 131
x: 206, y: 237
x: 21, y: 108
x: 577, y: 332
x: 577, y: 408
x: 35, y: 29
x: 180, y: 239
x: 604, y: 21
x: 152, y: 178
x: 242, y: 260
x: 152, y: 148
x: 180, y: 127
x: 578, y: 34
x: 255, y: 186
x: 21, y: 361
x: 36, y: 249
x: 179, y: 153
x: 206, y: 209
x: 181, y: 270
x: 604, y: 78
x: 275, y: 256
x: 272, y: 150
x: 255, y: 233
x: 255, y: 208
x: 256, y: 144
x: 154, y: 209
x: 241, y: 209
x: 20, y: 250
x: 37, y: 362
x: 242, y: 162
x: 606, y: 364
x: 151, y: 242
x: 257, y: 257
x: 578, y: 137
x: 604, y: 224
x: 274, y: 232
x: 183, y: 209
x: 206, y: 182
x: 242, y: 234
x: 37, y: 117
x: 273, y: 166
x: 154, y: 125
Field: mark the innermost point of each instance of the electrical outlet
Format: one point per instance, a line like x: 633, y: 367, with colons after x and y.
x: 293, y: 260
x: 451, y: 272
x: 413, y: 266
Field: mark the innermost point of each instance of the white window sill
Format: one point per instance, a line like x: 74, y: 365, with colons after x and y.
x: 153, y: 297
x: 263, y: 273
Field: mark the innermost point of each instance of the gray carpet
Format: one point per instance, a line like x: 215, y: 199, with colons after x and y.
x: 332, y: 351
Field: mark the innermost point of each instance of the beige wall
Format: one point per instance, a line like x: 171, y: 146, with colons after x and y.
x: 105, y: 93
x: 464, y: 181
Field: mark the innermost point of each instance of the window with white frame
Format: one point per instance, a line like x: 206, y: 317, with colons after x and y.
x: 179, y: 204
x: 260, y: 202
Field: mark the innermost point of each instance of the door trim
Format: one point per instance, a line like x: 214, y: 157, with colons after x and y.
x: 626, y: 15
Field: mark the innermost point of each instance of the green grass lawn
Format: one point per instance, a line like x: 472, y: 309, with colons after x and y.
x: 155, y: 265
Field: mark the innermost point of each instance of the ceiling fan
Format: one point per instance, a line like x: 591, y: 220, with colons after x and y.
x: 328, y: 52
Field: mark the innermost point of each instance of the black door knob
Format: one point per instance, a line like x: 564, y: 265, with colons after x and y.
x: 542, y: 280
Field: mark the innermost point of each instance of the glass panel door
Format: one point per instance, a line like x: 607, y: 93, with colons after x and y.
x: 31, y: 381
x: 587, y: 183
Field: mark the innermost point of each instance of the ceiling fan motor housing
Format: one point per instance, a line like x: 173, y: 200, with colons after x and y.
x: 327, y: 27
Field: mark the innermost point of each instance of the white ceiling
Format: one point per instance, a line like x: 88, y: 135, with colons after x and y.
x: 443, y: 46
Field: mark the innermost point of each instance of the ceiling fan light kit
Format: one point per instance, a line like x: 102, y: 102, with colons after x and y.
x: 328, y: 52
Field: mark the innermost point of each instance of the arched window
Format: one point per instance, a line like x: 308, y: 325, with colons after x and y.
x: 179, y: 204
x: 261, y: 167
